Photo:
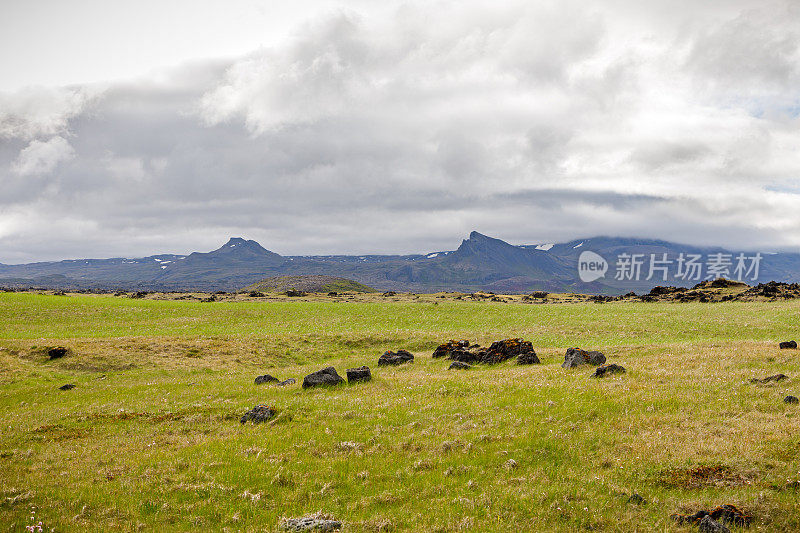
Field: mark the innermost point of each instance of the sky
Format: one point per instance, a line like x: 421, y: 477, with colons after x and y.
x: 321, y: 127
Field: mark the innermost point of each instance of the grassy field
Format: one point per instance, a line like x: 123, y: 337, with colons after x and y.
x: 150, y: 437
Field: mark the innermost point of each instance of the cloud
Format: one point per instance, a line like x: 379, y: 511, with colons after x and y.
x: 42, y: 157
x: 535, y: 122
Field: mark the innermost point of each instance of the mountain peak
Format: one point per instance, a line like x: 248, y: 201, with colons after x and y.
x: 239, y: 246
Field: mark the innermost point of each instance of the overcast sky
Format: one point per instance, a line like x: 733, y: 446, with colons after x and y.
x: 316, y: 126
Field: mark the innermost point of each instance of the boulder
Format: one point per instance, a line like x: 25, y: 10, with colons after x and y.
x: 776, y: 378
x: 57, y: 353
x: 399, y: 357
x: 68, y: 386
x: 709, y: 525
x: 290, y: 381
x: 528, y: 358
x: 576, y: 357
x: 444, y: 350
x: 326, y: 376
x: 266, y: 378
x: 503, y: 350
x: 258, y: 414
x: 317, y: 522
x: 726, y: 513
x: 471, y: 355
x: 788, y: 345
x: 458, y: 365
x: 791, y: 399
x: 355, y: 375
x: 611, y: 368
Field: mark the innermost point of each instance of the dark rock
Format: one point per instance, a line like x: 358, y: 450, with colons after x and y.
x: 727, y: 514
x: 326, y: 376
x: 444, y: 350
x: 258, y: 414
x: 788, y: 345
x: 311, y: 523
x: 256, y: 294
x: 295, y: 293
x: 471, y: 355
x: 611, y: 368
x: 68, y: 386
x: 503, y: 350
x: 637, y: 499
x: 139, y: 294
x: 528, y: 358
x: 290, y: 381
x: 391, y: 358
x: 333, y: 293
x: 266, y: 378
x: 458, y: 365
x: 776, y: 378
x: 600, y: 298
x: 709, y: 525
x: 362, y: 373
x: 389, y: 293
x: 538, y: 294
x: 791, y: 399
x: 57, y: 353
x: 576, y: 357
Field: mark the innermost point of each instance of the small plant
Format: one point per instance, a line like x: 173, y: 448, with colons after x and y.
x: 34, y: 526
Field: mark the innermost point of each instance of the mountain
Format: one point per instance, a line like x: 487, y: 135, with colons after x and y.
x: 479, y: 263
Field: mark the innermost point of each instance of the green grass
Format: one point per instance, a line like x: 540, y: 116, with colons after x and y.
x: 150, y: 437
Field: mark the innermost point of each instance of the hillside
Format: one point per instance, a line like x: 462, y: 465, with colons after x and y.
x: 308, y: 284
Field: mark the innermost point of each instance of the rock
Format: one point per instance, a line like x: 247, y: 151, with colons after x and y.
x: 611, y: 368
x: 391, y: 358
x: 266, y: 378
x: 576, y: 357
x: 709, y: 525
x: 258, y: 414
x: 355, y: 375
x: 444, y: 350
x: 333, y: 293
x: 791, y: 399
x: 727, y: 514
x: 290, y: 381
x: 389, y: 293
x: 295, y: 293
x: 503, y: 350
x: 316, y: 522
x: 326, y: 376
x: 528, y: 358
x: 637, y: 499
x: 256, y: 294
x: 68, y: 386
x: 471, y: 355
x: 776, y: 377
x: 788, y: 345
x: 458, y: 365
x: 57, y: 353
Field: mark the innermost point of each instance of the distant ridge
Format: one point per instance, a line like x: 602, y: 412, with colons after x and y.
x: 479, y: 263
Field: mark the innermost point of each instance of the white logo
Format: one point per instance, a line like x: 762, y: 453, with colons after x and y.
x: 591, y: 266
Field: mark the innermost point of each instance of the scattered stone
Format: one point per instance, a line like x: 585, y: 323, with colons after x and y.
x: 776, y: 377
x: 458, y: 365
x: 333, y: 293
x: 326, y: 376
x: 391, y: 358
x: 355, y: 375
x: 511, y: 464
x: 290, y: 381
x: 389, y: 293
x: 57, y: 353
x: 139, y: 294
x: 727, y: 514
x: 788, y: 345
x: 316, y: 522
x: 503, y: 350
x: 258, y: 414
x: 637, y: 499
x: 576, y: 357
x: 68, y: 386
x: 444, y: 350
x: 709, y: 525
x: 611, y: 368
x: 295, y: 293
x: 266, y: 378
x: 528, y: 358
x: 256, y: 294
x: 791, y: 399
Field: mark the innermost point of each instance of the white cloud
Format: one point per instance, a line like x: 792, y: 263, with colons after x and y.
x: 40, y: 111
x: 42, y: 157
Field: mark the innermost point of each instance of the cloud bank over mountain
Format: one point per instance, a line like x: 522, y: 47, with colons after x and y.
x: 398, y: 132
